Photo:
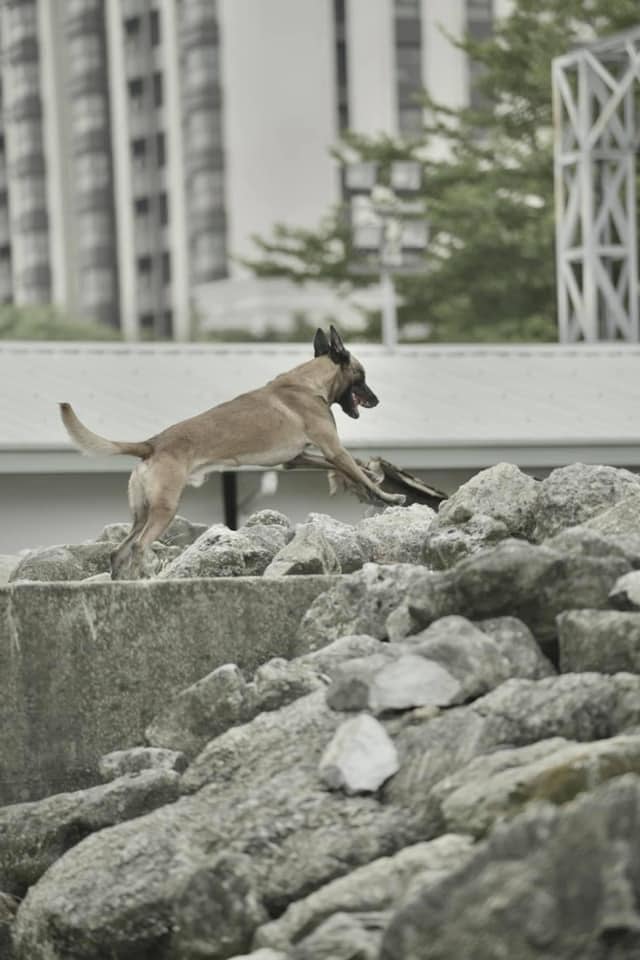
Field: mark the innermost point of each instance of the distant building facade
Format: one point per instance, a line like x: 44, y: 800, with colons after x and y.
x: 144, y: 142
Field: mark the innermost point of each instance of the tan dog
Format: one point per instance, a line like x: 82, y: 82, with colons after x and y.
x: 273, y: 425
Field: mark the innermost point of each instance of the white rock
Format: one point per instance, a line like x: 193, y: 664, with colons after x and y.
x: 413, y: 681
x: 626, y: 591
x: 360, y: 757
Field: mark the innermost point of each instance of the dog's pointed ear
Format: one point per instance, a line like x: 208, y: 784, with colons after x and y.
x: 337, y: 349
x: 320, y: 343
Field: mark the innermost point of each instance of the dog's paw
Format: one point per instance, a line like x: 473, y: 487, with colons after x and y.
x: 397, y: 499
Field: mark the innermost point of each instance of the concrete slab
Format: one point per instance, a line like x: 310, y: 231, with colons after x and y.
x: 85, y: 666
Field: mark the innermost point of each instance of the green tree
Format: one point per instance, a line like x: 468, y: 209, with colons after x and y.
x: 43, y: 322
x: 489, y: 270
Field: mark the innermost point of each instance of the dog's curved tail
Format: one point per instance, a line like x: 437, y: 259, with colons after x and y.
x: 94, y: 445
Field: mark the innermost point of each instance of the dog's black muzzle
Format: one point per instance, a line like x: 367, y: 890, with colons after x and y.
x: 357, y: 395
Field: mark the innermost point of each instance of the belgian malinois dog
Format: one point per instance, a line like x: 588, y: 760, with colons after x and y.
x: 276, y: 424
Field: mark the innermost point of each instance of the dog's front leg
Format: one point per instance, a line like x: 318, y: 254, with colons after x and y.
x: 344, y: 462
x: 348, y: 483
x: 341, y: 460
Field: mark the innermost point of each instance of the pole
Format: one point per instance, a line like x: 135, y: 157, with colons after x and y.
x: 389, y: 313
x: 230, y: 498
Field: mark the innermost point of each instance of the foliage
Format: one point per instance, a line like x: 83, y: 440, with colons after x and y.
x: 48, y: 323
x: 488, y: 187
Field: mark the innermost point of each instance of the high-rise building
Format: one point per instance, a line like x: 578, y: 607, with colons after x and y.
x: 144, y: 142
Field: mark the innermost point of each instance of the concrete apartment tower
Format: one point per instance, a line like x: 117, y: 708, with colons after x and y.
x: 144, y: 142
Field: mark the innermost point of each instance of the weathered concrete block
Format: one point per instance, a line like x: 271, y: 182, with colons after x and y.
x: 85, y: 667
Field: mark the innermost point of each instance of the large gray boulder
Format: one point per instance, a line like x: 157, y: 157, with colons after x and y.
x: 8, y: 908
x: 221, y: 552
x: 392, y: 680
x: 466, y: 652
x: 344, y: 540
x: 378, y: 886
x: 279, y: 682
x: 559, y: 882
x: 502, y: 492
x: 502, y: 784
x: 266, y: 532
x: 125, y: 763
x: 65, y: 562
x: 533, y: 583
x: 579, y: 707
x: 621, y: 519
x: 207, y: 708
x: 125, y: 891
x: 607, y: 641
x: 300, y: 730
x: 34, y: 835
x: 224, y: 699
x: 446, y: 543
x: 397, y: 534
x: 574, y: 494
x: 451, y: 661
x: 357, y: 603
x: 514, y: 640
x: 180, y: 532
x: 218, y: 552
x: 8, y: 563
x: 308, y: 552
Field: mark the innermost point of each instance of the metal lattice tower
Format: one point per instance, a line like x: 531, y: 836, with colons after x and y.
x: 596, y: 97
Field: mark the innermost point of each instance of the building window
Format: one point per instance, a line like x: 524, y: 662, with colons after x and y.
x: 209, y: 253
x: 154, y: 27
x: 24, y: 140
x: 479, y: 28
x: 94, y: 228
x: 206, y: 188
x: 89, y: 113
x: 136, y: 93
x: 161, y: 149
x: 97, y: 285
x: 35, y: 250
x: 202, y: 131
x: 92, y: 171
x: 139, y: 147
x: 408, y: 47
x: 20, y: 23
x: 132, y: 28
x: 141, y: 206
x: 158, y: 89
x: 23, y: 81
x: 163, y: 209
x: 85, y: 54
x: 166, y: 268
x: 75, y: 7
x: 201, y: 66
x: 26, y: 195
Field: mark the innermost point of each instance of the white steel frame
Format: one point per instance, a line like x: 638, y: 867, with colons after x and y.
x: 596, y: 97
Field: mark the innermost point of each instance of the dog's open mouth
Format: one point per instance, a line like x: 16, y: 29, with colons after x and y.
x: 359, y: 395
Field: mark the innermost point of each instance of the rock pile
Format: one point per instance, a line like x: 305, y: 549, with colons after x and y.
x: 449, y: 767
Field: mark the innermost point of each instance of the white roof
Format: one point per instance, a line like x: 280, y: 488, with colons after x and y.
x: 440, y: 406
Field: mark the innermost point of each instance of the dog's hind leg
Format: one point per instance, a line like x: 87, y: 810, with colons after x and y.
x: 139, y: 505
x: 164, y: 482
